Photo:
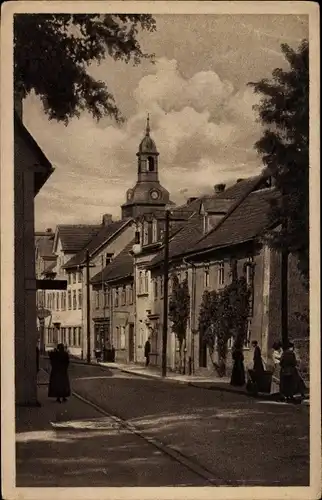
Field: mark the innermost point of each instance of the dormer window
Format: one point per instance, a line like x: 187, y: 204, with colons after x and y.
x: 150, y: 163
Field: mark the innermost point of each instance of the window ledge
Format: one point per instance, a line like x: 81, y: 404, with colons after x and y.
x: 143, y: 294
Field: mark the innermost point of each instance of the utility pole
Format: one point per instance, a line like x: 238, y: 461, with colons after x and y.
x: 88, y: 310
x: 284, y: 297
x: 165, y: 294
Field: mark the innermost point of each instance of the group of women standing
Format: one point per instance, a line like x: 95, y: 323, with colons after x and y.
x: 285, y: 369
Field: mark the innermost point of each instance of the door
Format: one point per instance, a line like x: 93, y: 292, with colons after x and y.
x: 131, y: 342
x: 202, y: 352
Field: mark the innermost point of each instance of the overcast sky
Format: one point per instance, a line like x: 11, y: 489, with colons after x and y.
x: 200, y: 112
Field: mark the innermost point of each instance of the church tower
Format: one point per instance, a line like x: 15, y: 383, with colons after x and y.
x: 147, y: 194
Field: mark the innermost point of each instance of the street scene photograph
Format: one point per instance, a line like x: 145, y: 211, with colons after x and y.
x: 162, y: 307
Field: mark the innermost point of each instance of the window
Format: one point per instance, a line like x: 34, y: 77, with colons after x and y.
x: 80, y: 276
x: 75, y: 336
x: 54, y: 301
x: 74, y: 300
x: 151, y: 163
x: 57, y: 301
x: 117, y: 336
x: 145, y: 233
x: 106, y: 297
x: 69, y: 299
x: 131, y: 294
x: 116, y: 297
x: 79, y: 339
x: 80, y: 299
x: 154, y: 231
x: 155, y: 286
x: 108, y: 259
x: 140, y: 282
x: 69, y: 339
x: 74, y: 278
x: 161, y: 286
x: 69, y: 278
x: 248, y: 334
x: 123, y: 296
x: 206, y: 277
x: 122, y: 338
x: 63, y: 335
x: 63, y: 301
x: 221, y: 273
x: 146, y: 282
x: 97, y: 299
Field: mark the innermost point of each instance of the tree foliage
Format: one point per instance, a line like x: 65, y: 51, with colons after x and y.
x: 284, y: 147
x: 224, y: 315
x: 179, y: 310
x: 52, y: 54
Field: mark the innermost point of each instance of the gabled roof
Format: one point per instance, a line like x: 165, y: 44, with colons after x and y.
x: 105, y: 234
x: 246, y: 220
x: 41, y: 176
x: 74, y: 237
x: 44, y: 244
x: 121, y: 267
x: 191, y: 234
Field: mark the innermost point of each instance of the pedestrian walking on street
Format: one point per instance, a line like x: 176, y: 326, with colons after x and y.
x: 238, y: 372
x: 258, y: 366
x: 59, y: 386
x: 288, y: 373
x: 147, y: 350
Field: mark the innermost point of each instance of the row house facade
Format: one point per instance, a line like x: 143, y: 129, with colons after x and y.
x: 68, y: 322
x: 113, y: 303
x: 63, y: 324
x: 217, y: 249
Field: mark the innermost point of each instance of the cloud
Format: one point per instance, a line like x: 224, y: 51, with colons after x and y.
x: 204, y: 130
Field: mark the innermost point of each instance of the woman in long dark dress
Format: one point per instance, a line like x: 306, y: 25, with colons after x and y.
x: 238, y: 372
x: 59, y: 386
x: 288, y: 373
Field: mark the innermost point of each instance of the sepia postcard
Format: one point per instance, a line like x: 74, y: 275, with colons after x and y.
x: 160, y: 250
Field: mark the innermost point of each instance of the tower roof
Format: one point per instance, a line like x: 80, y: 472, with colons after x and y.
x: 147, y: 145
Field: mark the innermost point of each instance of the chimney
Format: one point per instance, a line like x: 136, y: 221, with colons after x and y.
x: 107, y: 219
x: 219, y: 188
x: 191, y: 199
x: 49, y: 230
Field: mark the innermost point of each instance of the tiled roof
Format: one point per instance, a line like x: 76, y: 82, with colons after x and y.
x: 245, y: 221
x: 75, y: 237
x: 120, y: 267
x: 191, y: 234
x: 44, y: 244
x: 105, y: 234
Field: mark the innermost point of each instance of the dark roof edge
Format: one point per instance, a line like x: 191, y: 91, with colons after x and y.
x: 112, y: 280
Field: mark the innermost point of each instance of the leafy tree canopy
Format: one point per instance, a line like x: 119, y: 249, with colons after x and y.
x: 179, y: 307
x: 284, y: 147
x: 52, y: 53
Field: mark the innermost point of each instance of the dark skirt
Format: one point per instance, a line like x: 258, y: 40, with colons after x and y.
x: 59, y: 386
x: 238, y: 374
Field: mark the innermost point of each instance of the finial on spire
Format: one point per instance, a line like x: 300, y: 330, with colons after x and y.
x: 147, y: 130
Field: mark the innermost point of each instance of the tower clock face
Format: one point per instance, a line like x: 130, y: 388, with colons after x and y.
x: 130, y: 194
x: 154, y: 194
